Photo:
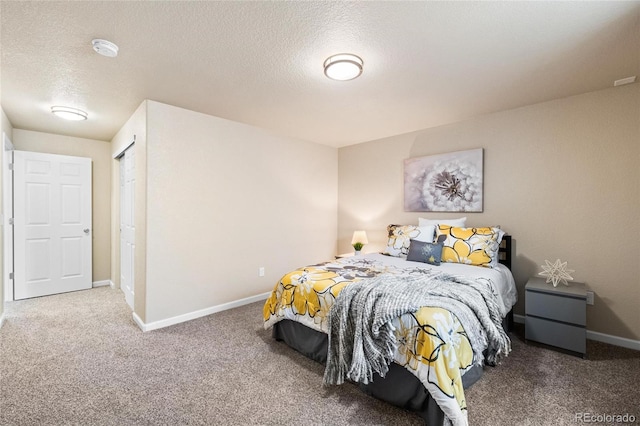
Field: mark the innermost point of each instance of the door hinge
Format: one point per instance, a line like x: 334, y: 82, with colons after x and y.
x: 10, y: 166
x: 10, y: 275
x: 10, y: 221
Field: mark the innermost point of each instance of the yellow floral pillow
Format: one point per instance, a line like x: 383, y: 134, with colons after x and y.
x: 400, y: 237
x: 471, y: 246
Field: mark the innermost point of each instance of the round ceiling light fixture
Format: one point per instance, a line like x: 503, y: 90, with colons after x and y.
x: 343, y: 67
x: 105, y: 47
x: 69, y: 113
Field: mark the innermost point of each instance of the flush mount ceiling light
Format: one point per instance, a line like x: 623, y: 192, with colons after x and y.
x: 69, y: 113
x: 343, y: 67
x: 105, y: 47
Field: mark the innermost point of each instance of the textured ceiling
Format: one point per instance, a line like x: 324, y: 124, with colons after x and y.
x: 426, y: 63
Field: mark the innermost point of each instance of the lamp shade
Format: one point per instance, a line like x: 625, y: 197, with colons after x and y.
x: 359, y: 237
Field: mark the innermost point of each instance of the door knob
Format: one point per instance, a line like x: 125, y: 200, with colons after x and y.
x: 86, y: 231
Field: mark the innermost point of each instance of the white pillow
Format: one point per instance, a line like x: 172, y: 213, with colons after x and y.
x: 427, y: 234
x: 458, y: 223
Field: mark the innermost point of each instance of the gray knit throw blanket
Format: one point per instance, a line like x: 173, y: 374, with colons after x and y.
x: 362, y: 340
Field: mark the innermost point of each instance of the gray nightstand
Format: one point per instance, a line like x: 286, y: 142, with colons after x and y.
x: 556, y: 316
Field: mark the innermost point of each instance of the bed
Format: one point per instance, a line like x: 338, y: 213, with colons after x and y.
x: 420, y: 356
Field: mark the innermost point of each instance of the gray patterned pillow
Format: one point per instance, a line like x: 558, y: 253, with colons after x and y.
x: 420, y: 251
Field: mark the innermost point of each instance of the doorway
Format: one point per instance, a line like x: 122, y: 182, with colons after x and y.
x: 7, y: 215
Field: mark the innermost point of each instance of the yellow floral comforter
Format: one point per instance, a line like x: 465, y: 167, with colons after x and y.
x: 432, y: 343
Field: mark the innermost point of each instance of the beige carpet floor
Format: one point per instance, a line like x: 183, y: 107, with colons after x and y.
x: 79, y: 359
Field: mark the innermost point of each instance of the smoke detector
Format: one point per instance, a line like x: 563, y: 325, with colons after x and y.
x: 105, y: 47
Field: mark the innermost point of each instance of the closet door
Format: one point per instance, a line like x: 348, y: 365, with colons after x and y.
x: 127, y: 224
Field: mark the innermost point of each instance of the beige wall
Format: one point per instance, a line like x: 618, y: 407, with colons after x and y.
x: 6, y: 125
x: 562, y: 177
x: 224, y: 199
x: 7, y: 128
x: 99, y: 152
x: 134, y: 129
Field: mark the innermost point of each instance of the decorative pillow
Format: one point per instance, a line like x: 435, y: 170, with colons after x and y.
x: 461, y: 222
x: 420, y: 251
x: 400, y: 238
x: 472, y: 246
x: 427, y: 234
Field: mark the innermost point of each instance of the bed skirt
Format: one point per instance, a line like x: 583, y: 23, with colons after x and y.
x: 399, y: 387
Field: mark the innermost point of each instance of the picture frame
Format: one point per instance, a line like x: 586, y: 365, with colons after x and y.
x: 451, y: 182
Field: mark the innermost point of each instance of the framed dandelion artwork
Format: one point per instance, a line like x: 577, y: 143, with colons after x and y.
x: 444, y: 183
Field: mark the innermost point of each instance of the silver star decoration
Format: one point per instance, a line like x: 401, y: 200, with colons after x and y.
x: 556, y: 272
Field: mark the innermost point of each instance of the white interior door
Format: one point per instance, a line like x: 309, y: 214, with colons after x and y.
x: 52, y: 224
x: 7, y: 199
x: 127, y: 226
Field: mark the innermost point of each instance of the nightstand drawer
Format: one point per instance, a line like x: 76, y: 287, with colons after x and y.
x: 560, y: 308
x: 565, y: 336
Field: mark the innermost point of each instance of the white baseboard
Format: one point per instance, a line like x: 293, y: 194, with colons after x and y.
x: 1, y: 319
x: 101, y: 283
x: 139, y: 322
x: 112, y: 285
x: 614, y: 340
x: 197, y: 314
x: 599, y: 337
